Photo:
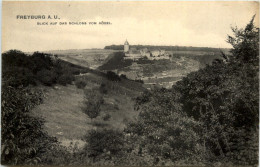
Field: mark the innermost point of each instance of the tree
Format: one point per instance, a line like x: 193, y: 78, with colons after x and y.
x: 92, y: 103
x: 211, y: 114
x: 224, y: 98
x: 104, y: 141
x: 163, y: 130
x: 112, y: 76
x: 245, y: 43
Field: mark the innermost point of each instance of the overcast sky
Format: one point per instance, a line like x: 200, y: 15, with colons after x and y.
x: 148, y: 23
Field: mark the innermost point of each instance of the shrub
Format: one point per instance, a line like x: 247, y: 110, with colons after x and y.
x: 47, y: 77
x: 24, y: 77
x: 224, y: 98
x: 164, y: 131
x: 103, y: 141
x: 81, y: 84
x: 106, y: 117
x: 92, y: 103
x: 140, y: 81
x: 23, y: 139
x: 92, y: 110
x: 103, y: 88
x: 65, y: 79
x: 112, y: 76
x: 21, y: 69
x: 75, y: 71
x: 123, y: 76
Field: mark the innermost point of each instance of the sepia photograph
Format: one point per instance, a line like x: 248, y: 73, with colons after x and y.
x: 130, y: 83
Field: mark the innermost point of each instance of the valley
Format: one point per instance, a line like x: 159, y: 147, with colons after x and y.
x: 160, y: 73
x: 62, y: 105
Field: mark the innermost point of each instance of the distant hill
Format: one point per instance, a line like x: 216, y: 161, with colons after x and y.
x: 116, y: 60
x: 161, y: 72
x: 169, y: 48
x: 91, y: 58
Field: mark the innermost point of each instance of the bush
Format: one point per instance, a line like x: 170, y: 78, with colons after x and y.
x: 65, y: 79
x: 103, y: 88
x: 92, y: 103
x: 140, y: 81
x: 106, y: 117
x: 112, y: 76
x: 24, y: 77
x: 81, y: 84
x: 123, y: 76
x: 104, y: 141
x: 21, y: 69
x: 224, y: 98
x: 75, y: 71
x: 164, y: 131
x: 47, y: 77
x: 23, y: 139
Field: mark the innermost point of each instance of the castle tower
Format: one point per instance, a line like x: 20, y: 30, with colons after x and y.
x: 126, y: 46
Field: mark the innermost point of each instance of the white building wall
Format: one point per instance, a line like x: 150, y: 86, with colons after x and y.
x: 126, y: 48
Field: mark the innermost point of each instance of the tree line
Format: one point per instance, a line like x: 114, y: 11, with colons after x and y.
x: 167, y: 48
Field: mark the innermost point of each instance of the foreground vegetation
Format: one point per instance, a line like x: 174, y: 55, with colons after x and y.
x: 24, y: 140
x: 210, y: 117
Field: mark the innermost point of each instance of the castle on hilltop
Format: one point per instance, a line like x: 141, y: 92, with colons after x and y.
x: 126, y: 46
x: 135, y: 54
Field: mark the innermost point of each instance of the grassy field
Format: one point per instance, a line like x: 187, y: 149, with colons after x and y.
x: 62, y: 108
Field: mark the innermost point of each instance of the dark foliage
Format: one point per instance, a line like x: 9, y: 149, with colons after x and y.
x: 165, y: 132
x: 116, y: 61
x: 92, y: 103
x: 112, y: 76
x: 65, y: 79
x: 47, y: 77
x: 145, y: 60
x: 225, y: 98
x: 24, y: 141
x: 103, y: 88
x: 20, y: 69
x: 209, y: 116
x: 106, y: 117
x: 123, y: 76
x: 139, y: 80
x: 80, y: 84
x: 104, y: 141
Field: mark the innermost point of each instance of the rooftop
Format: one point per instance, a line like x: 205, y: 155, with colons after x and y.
x: 126, y: 42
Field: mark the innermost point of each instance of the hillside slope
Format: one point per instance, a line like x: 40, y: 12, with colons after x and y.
x: 91, y: 58
x: 62, y: 108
